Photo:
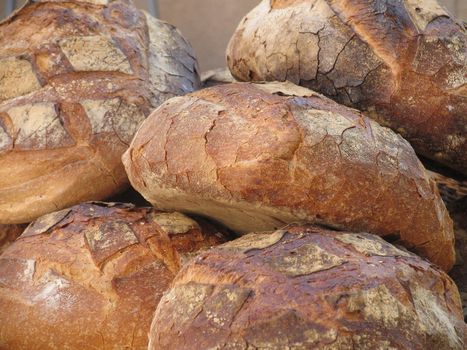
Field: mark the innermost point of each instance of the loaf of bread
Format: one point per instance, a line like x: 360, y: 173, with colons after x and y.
x: 257, y: 156
x: 76, y: 80
x: 305, y: 287
x: 402, y: 62
x: 8, y: 234
x: 90, y: 277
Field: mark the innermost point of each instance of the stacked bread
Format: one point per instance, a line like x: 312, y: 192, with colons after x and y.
x: 76, y: 79
x: 306, y: 287
x: 403, y: 63
x: 264, y: 155
x: 343, y: 240
x: 91, y: 276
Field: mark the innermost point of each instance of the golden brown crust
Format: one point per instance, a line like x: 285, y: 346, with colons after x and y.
x: 8, y: 234
x: 91, y: 276
x: 403, y: 63
x: 257, y: 156
x: 75, y: 83
x: 306, y: 287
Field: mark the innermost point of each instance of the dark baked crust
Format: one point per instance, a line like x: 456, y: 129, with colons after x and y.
x: 401, y: 62
x: 76, y: 80
x: 305, y: 287
x: 257, y: 156
x: 91, y: 276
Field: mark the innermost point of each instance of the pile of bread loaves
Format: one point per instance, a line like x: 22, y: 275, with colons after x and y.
x: 281, y: 218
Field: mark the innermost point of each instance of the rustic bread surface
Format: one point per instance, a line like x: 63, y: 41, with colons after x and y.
x: 257, y: 156
x: 90, y: 277
x: 306, y: 287
x: 76, y: 80
x: 402, y: 62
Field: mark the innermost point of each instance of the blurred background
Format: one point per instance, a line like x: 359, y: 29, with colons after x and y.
x: 208, y: 24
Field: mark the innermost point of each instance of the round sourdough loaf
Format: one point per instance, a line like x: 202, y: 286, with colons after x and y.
x: 8, y: 234
x: 402, y: 62
x: 257, y: 156
x: 90, y: 277
x: 76, y: 80
x: 305, y: 287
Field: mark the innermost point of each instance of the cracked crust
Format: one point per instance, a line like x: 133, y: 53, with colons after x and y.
x: 402, y: 63
x: 75, y: 84
x: 309, y: 290
x: 257, y: 156
x: 91, y: 276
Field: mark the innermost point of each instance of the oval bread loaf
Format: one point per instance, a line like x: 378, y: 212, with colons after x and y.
x: 257, y: 156
x: 76, y: 80
x: 306, y: 287
x: 90, y: 277
x: 402, y: 62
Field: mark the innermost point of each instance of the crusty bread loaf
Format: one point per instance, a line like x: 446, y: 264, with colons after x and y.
x: 257, y: 156
x: 402, y: 62
x: 76, y: 80
x: 90, y: 277
x: 305, y: 287
x: 8, y: 234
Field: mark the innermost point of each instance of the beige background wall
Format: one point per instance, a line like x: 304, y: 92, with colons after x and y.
x: 208, y: 24
x: 457, y: 7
